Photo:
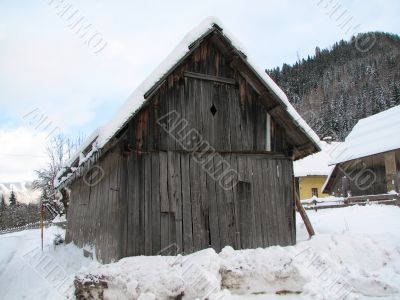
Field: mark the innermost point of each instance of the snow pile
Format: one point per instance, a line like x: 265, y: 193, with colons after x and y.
x: 356, y: 252
x: 375, y: 134
x: 160, y: 277
x: 135, y: 101
x: 260, y: 271
x: 317, y: 164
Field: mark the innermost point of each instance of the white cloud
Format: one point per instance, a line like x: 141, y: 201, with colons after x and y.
x: 22, y: 150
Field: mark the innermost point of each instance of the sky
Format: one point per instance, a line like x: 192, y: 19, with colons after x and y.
x: 53, y: 80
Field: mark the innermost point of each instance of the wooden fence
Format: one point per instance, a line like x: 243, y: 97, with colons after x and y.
x: 387, y: 199
x: 35, y: 225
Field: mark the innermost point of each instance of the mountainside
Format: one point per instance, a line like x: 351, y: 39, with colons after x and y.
x: 23, y: 191
x: 336, y: 87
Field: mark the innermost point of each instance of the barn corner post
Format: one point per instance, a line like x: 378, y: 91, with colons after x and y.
x: 391, y: 172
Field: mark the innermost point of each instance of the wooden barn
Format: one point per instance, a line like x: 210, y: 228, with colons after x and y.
x: 201, y: 155
x: 368, y: 162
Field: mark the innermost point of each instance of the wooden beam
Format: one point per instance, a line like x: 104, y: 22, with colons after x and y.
x: 304, y: 147
x: 210, y: 77
x: 153, y: 89
x: 390, y: 171
x: 237, y: 63
x: 303, y: 215
x: 220, y: 44
x: 274, y: 109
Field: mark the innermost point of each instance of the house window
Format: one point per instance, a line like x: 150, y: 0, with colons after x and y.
x: 314, y: 192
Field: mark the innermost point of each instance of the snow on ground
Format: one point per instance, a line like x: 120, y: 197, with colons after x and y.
x: 28, y: 273
x: 356, y: 253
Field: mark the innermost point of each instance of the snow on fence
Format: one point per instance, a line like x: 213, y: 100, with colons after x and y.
x: 30, y: 226
x: 337, y: 202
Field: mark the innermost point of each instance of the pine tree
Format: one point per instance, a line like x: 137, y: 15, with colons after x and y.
x: 395, y: 97
x: 341, y: 86
x: 12, y: 199
x: 2, y: 203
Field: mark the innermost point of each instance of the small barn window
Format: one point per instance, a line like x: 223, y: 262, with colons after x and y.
x: 213, y: 110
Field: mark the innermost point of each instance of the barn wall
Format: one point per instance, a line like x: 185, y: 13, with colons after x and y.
x: 170, y: 199
x: 358, y: 170
x: 94, y: 215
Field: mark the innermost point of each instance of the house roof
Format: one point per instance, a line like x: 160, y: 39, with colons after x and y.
x: 136, y: 100
x: 317, y: 164
x: 372, y: 135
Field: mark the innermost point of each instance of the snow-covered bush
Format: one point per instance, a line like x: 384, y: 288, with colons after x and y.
x: 58, y: 239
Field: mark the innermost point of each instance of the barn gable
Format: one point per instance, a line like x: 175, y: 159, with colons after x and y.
x: 230, y: 65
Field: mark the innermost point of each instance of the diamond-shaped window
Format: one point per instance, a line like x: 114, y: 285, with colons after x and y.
x: 213, y: 110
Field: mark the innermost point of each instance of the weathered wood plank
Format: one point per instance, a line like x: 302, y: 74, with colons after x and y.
x: 172, y: 196
x: 213, y: 213
x: 244, y: 201
x: 178, y: 200
x: 147, y: 205
x: 204, y: 209
x: 260, y: 201
x: 186, y: 205
x: 123, y: 197
x: 141, y: 206
x: 272, y: 200
x: 136, y: 204
x: 155, y: 204
x: 196, y: 205
x: 266, y: 200
x: 164, y: 202
x: 210, y: 77
x: 230, y: 206
x: 234, y: 166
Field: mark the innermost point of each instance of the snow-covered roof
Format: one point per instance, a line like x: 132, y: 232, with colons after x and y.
x: 328, y: 179
x: 375, y: 134
x: 318, y: 163
x: 137, y: 98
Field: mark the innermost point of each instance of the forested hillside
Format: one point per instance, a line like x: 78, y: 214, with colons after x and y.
x: 336, y: 87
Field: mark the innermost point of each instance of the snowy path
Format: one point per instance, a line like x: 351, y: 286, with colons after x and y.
x: 357, y: 247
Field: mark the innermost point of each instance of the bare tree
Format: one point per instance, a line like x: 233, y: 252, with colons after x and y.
x: 58, y: 151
